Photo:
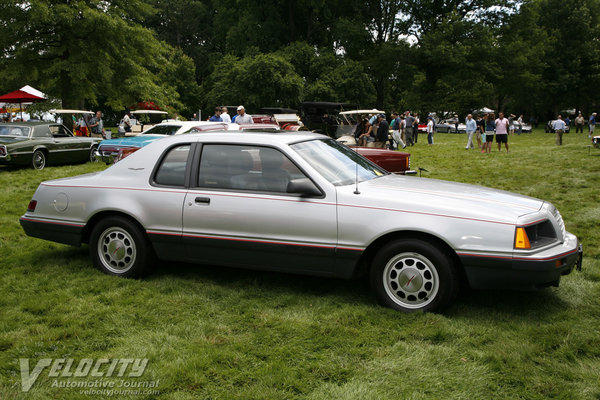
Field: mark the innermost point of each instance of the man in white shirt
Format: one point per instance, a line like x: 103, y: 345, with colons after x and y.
x: 242, y: 117
x: 225, y: 116
x: 559, y: 127
x: 471, y: 128
x: 502, y: 131
x: 430, y: 129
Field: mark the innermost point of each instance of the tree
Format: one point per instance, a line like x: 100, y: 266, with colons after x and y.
x: 78, y: 51
x: 254, y: 81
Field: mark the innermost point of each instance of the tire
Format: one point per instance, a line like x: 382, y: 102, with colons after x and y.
x: 118, y: 247
x: 93, y: 157
x: 413, y: 275
x: 38, y: 160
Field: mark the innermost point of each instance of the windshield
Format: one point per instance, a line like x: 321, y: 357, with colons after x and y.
x: 11, y: 130
x: 163, y: 130
x: 337, y: 163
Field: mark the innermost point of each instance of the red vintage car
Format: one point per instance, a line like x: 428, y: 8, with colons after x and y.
x: 397, y: 162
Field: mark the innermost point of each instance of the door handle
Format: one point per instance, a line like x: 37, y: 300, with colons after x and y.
x: 203, y: 200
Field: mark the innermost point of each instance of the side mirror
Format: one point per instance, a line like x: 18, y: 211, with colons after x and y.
x: 303, y: 187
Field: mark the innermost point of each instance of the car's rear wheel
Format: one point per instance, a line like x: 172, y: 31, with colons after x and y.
x: 119, y: 247
x: 413, y: 275
x: 38, y: 161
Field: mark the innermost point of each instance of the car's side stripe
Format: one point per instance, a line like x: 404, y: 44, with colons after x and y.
x: 265, y: 241
x: 43, y: 221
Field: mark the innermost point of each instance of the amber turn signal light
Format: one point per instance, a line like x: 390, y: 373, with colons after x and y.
x: 521, y: 239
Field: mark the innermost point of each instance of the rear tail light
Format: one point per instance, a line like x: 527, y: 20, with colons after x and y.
x: 126, y: 151
x: 31, y: 206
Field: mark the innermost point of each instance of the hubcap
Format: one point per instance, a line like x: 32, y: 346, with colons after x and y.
x: 39, y: 161
x: 116, y: 250
x: 410, y: 280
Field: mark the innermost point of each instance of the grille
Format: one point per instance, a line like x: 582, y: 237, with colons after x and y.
x: 560, y: 222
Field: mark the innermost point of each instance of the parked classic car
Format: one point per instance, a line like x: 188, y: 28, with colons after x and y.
x: 525, y: 127
x: 41, y: 143
x: 549, y: 129
x: 446, y: 125
x: 303, y: 203
x: 113, y: 150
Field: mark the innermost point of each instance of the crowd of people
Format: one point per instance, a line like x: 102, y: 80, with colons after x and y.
x: 221, y: 115
x: 482, y: 130
x: 374, y: 131
x: 487, y: 126
x: 405, y: 130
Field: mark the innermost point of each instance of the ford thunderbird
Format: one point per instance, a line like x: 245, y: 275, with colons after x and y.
x: 304, y: 203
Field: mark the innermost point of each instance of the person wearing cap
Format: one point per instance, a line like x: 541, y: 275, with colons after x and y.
x: 242, y: 117
x: 217, y: 116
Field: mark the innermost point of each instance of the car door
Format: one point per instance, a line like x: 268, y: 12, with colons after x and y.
x: 65, y: 147
x: 240, y: 213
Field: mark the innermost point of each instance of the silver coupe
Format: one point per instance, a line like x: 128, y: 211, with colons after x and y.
x: 302, y: 203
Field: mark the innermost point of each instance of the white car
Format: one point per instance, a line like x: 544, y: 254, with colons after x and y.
x: 303, y: 203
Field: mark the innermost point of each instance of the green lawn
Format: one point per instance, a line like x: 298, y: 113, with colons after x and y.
x: 232, y: 334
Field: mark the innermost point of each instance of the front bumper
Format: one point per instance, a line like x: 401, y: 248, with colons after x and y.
x: 523, y: 272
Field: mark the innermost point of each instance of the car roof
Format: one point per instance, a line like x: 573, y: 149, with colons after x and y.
x: 261, y: 138
x: 182, y: 123
x: 37, y: 123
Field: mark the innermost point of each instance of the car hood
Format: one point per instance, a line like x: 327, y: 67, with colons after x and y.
x: 133, y: 141
x: 443, y: 197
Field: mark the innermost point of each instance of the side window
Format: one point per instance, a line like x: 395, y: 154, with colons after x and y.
x: 41, y: 131
x: 171, y: 171
x: 250, y: 168
x: 59, y: 131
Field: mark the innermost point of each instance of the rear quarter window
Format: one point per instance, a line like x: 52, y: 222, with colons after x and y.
x: 172, y: 168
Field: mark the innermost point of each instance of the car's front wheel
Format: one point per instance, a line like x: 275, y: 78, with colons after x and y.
x: 38, y: 160
x: 93, y: 157
x: 413, y: 275
x: 119, y: 247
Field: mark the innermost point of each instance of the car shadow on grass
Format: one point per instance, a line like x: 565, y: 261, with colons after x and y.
x: 530, y: 305
x: 277, y: 282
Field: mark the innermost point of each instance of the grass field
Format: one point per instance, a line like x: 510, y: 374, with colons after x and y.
x: 216, y: 333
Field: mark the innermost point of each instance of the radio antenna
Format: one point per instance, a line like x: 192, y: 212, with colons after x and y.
x: 356, y: 191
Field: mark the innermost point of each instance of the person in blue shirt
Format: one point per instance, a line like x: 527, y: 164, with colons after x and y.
x: 592, y: 123
x: 488, y: 137
x: 217, y: 116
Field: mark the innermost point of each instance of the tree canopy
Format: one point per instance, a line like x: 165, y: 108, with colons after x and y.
x: 530, y: 56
